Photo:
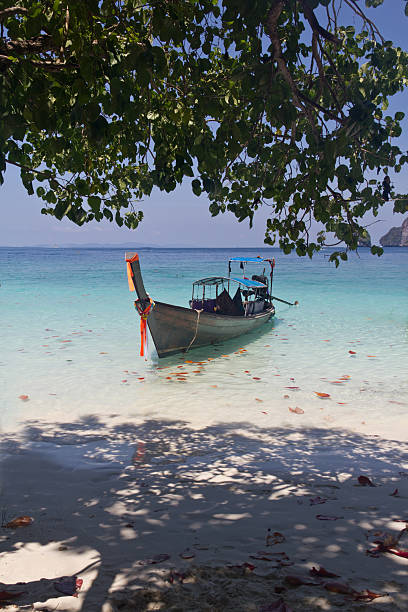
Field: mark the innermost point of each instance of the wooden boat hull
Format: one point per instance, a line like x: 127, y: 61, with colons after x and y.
x: 176, y: 329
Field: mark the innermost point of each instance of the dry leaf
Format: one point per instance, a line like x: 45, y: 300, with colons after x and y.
x: 322, y: 395
x: 317, y: 500
x: 322, y: 573
x: 324, y: 517
x: 338, y: 587
x: 274, y: 538
x: 368, y: 595
x: 187, y: 554
x: 398, y: 553
x: 20, y: 521
x: 364, y: 481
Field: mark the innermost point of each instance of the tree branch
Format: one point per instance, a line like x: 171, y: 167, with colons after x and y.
x: 12, y: 10
x: 316, y: 27
x: 272, y: 23
x: 39, y: 44
x: 27, y: 168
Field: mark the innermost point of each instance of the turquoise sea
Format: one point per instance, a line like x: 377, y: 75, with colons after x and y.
x: 70, y: 341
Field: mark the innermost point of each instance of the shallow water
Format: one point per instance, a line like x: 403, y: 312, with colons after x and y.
x: 70, y: 341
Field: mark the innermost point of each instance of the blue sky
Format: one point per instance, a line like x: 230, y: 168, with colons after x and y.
x: 180, y: 218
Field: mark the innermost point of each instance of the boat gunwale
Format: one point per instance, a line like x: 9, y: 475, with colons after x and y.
x: 217, y: 315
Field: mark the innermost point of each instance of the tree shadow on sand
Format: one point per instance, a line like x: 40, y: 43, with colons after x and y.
x: 163, y: 516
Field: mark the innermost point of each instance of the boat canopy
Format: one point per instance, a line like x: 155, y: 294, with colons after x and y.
x: 248, y: 259
x: 218, y: 280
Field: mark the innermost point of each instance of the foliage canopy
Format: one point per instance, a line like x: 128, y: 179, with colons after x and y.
x: 268, y: 102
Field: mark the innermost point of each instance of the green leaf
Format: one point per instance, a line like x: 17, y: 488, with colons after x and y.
x: 94, y: 203
x: 196, y: 185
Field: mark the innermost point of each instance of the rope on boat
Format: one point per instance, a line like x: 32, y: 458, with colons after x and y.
x: 196, y: 329
x: 144, y: 313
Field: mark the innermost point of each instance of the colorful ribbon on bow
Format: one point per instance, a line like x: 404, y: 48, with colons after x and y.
x: 144, y: 313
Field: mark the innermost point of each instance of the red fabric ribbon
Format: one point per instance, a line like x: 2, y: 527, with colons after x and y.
x: 143, y: 324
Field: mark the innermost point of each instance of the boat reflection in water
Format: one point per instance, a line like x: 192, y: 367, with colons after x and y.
x: 221, y: 307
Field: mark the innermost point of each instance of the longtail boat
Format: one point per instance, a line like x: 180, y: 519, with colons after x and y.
x: 221, y: 307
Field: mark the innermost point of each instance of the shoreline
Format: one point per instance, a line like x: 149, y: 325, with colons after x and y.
x: 109, y: 496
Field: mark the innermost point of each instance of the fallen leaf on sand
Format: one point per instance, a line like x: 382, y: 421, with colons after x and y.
x: 297, y: 410
x: 276, y: 606
x: 274, y: 538
x: 187, y: 554
x: 368, y: 595
x: 155, y: 559
x: 293, y: 388
x: 317, y: 500
x: 324, y: 517
x: 20, y: 521
x: 286, y: 397
x: 263, y: 412
x: 258, y: 400
x: 322, y: 395
x: 398, y: 553
x: 352, y: 352
x: 24, y: 398
x: 7, y: 595
x: 364, y: 481
x: 256, y: 378
x: 244, y: 566
x: 322, y: 573
x: 338, y: 587
x: 68, y: 585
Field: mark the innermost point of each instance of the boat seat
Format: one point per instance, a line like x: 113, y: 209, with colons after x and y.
x: 208, y: 305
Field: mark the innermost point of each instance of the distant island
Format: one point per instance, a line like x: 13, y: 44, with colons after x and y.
x: 397, y: 236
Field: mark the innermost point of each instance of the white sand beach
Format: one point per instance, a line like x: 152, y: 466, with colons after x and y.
x: 159, y: 515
